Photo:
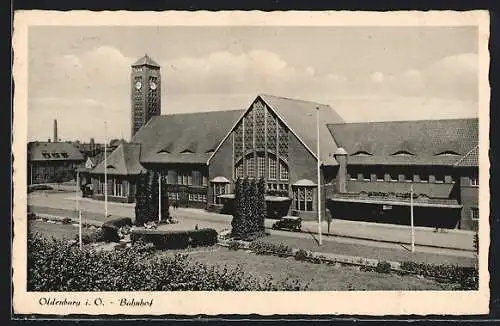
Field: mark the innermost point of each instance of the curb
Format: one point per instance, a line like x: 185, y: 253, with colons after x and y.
x: 56, y: 218
x: 330, y: 257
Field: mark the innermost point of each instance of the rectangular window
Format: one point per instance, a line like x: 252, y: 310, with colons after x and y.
x: 190, y: 180
x: 272, y: 168
x: 394, y: 176
x: 179, y: 178
x: 474, y: 213
x: 261, y: 166
x: 190, y: 196
x: 204, y: 181
x: 239, y: 170
x: 303, y: 197
x: 379, y: 176
x: 474, y: 181
x: 184, y: 178
x: 251, y: 167
x: 283, y: 171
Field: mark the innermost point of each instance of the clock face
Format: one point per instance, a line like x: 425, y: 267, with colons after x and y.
x: 152, y: 85
x: 138, y: 85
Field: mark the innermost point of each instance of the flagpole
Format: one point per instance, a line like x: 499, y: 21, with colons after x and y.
x: 105, y: 171
x: 319, y: 176
x: 412, y: 222
x: 80, y: 228
x: 159, y: 197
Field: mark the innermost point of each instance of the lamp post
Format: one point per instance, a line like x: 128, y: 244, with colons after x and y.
x: 159, y: 197
x: 319, y: 177
x: 105, y: 171
x: 411, y: 220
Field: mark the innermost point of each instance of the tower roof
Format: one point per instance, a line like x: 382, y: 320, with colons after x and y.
x: 146, y: 61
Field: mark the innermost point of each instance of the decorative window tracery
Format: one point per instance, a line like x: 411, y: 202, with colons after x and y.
x: 283, y: 141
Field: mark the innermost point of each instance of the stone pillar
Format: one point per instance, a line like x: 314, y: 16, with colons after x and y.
x: 341, y: 157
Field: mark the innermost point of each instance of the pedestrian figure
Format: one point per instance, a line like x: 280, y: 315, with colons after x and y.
x: 196, y: 227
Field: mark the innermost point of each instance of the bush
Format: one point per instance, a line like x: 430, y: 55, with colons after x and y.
x: 54, y: 265
x: 466, y: 277
x: 66, y: 220
x: 111, y: 229
x: 383, y: 267
x: 92, y: 237
x: 32, y: 216
x: 476, y: 242
x: 234, y: 245
x: 302, y: 255
x: 266, y: 248
x: 165, y: 239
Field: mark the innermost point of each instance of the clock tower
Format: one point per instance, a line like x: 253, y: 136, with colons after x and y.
x: 145, y: 92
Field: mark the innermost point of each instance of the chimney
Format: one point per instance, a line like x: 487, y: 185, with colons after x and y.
x: 341, y: 157
x: 55, y: 131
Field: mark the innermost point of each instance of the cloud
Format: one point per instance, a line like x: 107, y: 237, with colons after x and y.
x: 249, y: 72
x: 453, y: 76
x: 377, y: 77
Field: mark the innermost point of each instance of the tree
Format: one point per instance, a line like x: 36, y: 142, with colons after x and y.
x: 261, y: 204
x: 165, y: 213
x: 154, y: 201
x: 236, y: 222
x: 250, y: 208
x: 141, y: 200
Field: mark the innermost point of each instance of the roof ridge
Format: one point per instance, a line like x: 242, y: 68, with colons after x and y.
x: 202, y: 112
x: 467, y: 154
x: 410, y: 121
x: 293, y: 99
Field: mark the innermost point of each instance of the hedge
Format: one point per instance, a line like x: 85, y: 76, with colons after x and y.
x: 54, y: 265
x: 466, y: 277
x: 167, y: 239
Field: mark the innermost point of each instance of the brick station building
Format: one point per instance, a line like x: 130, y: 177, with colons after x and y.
x: 366, y: 168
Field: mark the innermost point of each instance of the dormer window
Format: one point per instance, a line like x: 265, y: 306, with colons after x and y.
x: 402, y: 153
x: 187, y: 151
x: 361, y: 153
x: 110, y: 167
x: 55, y: 155
x: 163, y: 151
x: 448, y: 153
x: 65, y: 155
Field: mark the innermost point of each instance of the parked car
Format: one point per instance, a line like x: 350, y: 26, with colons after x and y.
x: 292, y: 223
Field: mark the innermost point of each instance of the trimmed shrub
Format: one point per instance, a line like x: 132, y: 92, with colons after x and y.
x: 165, y: 239
x: 54, y: 265
x: 32, y: 216
x: 383, y: 267
x: 250, y: 209
x: 110, y: 233
x: 112, y: 227
x: 266, y: 248
x: 203, y: 237
x: 120, y: 222
x: 466, y: 277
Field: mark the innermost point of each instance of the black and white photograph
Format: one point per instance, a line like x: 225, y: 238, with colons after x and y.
x: 270, y: 159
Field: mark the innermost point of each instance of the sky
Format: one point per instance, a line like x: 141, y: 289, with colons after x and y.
x: 81, y: 75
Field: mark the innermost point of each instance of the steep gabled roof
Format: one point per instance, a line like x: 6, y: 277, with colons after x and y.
x: 183, y: 138
x: 471, y: 159
x: 432, y: 142
x: 300, y: 118
x: 124, y: 160
x: 145, y: 61
x: 53, y: 151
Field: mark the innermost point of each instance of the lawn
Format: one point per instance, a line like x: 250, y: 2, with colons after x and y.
x: 321, y: 277
x: 56, y: 230
x: 398, y: 255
